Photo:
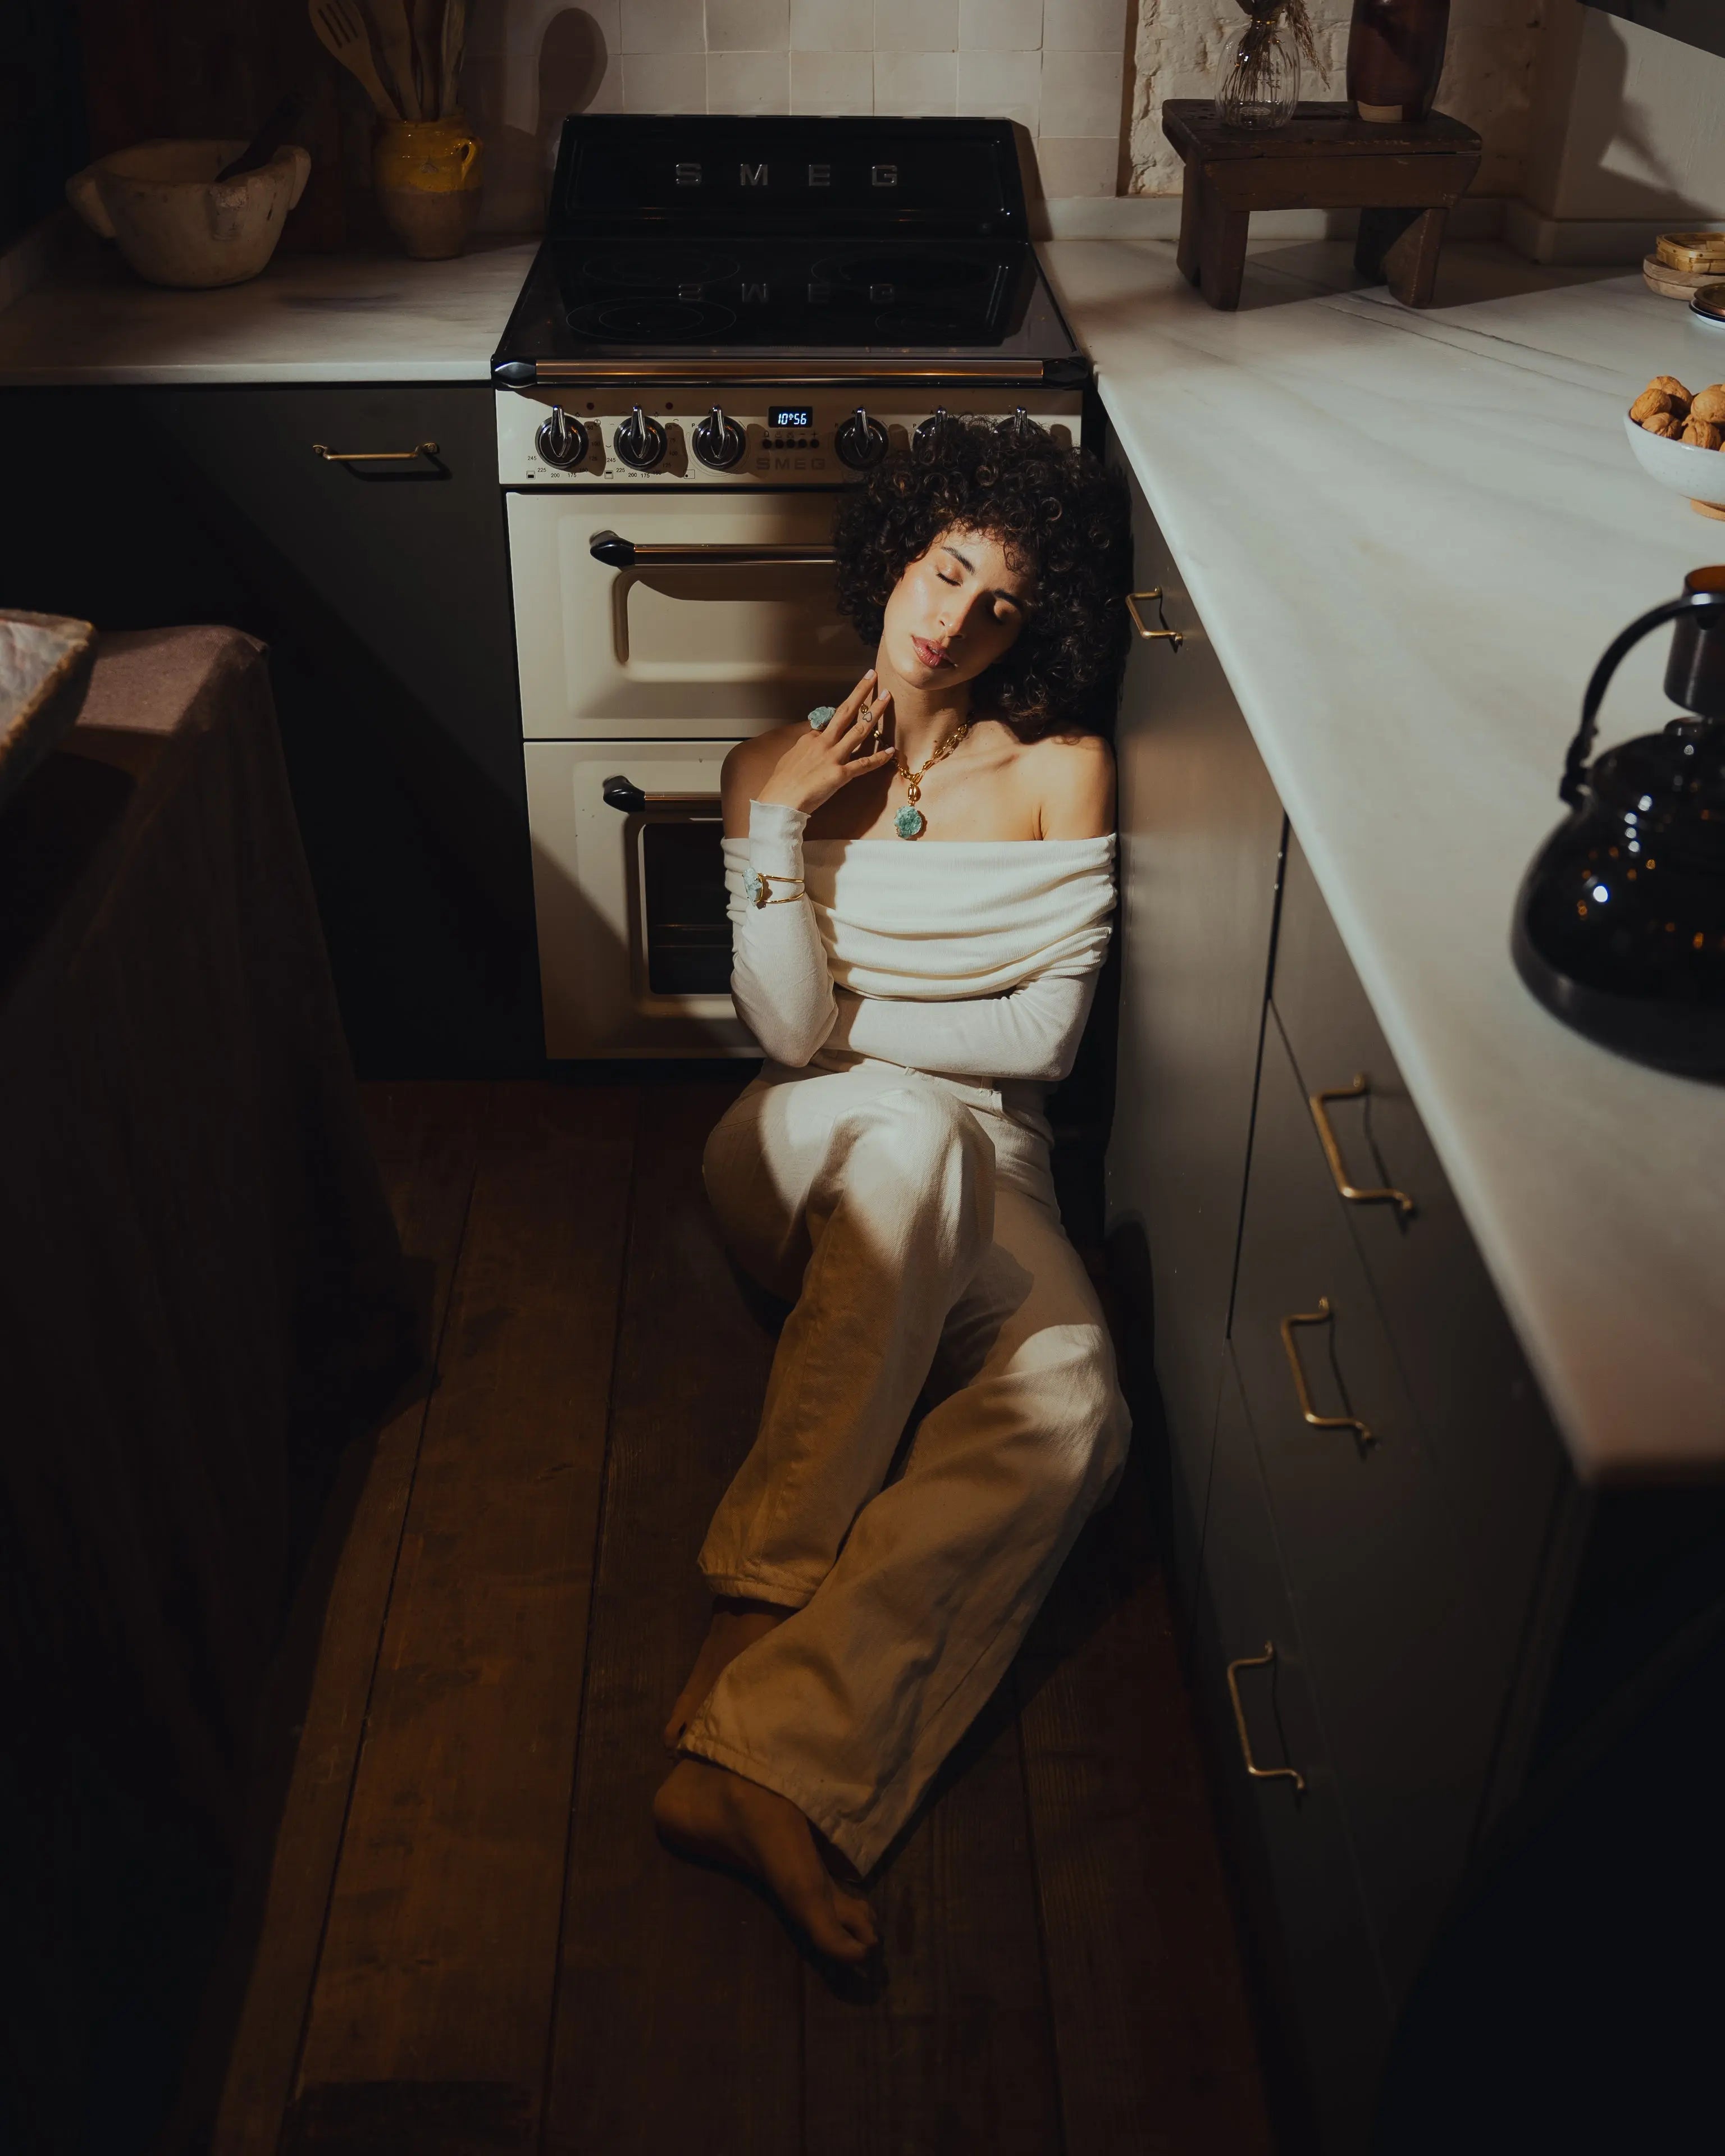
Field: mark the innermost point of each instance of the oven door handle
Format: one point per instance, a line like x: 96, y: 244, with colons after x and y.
x: 617, y: 552
x: 622, y: 794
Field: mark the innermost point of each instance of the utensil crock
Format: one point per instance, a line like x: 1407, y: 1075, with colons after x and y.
x: 428, y: 174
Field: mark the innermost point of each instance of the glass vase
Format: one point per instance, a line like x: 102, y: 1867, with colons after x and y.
x: 1260, y: 82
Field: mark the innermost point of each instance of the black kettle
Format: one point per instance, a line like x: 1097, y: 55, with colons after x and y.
x: 1620, y: 925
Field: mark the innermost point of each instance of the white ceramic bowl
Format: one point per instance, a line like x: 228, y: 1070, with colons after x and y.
x: 1680, y: 465
x: 176, y: 222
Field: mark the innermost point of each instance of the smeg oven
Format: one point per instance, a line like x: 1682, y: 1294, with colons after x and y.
x: 679, y: 410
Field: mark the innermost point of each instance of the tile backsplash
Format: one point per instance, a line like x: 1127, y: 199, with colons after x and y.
x: 1056, y: 65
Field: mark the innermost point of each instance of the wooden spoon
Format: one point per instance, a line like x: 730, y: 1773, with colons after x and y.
x: 390, y: 18
x: 428, y: 48
x: 340, y: 32
x: 454, y: 44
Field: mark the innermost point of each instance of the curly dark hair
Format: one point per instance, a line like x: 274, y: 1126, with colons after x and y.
x: 1059, y: 515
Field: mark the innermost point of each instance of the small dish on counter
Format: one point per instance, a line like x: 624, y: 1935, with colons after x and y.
x: 1678, y: 439
x: 1680, y: 465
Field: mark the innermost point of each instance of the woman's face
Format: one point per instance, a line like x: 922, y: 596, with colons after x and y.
x: 955, y: 611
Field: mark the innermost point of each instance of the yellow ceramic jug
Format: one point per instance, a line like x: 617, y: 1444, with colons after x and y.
x: 427, y: 173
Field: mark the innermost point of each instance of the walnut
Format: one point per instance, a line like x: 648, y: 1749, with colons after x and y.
x: 1651, y: 402
x: 1710, y: 404
x: 1672, y: 387
x: 1702, y: 434
x: 1663, y: 423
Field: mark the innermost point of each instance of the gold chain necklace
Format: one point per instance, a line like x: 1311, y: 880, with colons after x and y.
x: 910, y: 823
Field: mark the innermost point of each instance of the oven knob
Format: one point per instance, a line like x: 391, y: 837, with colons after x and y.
x: 931, y: 428
x: 718, y: 441
x: 562, y: 441
x: 860, y: 441
x: 640, y: 440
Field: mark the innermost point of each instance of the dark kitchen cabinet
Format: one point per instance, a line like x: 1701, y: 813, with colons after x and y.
x: 1478, y: 1667
x: 1379, y: 1576
x: 382, y: 590
x: 1309, y: 1939
x: 1200, y: 828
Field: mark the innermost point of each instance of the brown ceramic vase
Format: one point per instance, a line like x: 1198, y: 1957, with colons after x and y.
x: 427, y: 173
x: 1395, y: 54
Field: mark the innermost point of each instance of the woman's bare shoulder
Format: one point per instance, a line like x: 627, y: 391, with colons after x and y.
x: 747, y: 769
x: 1073, y: 776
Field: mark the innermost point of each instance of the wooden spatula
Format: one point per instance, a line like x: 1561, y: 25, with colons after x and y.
x: 340, y: 32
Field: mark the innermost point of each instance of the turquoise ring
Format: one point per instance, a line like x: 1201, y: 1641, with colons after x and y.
x: 823, y: 716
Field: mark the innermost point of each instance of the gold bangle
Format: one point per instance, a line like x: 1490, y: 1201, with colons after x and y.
x: 754, y: 886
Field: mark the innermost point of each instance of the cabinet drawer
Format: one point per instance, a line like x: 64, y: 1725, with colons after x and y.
x: 1308, y: 1933
x: 1490, y: 1440
x: 1409, y: 1687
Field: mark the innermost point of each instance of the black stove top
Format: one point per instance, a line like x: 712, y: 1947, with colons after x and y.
x: 857, y: 249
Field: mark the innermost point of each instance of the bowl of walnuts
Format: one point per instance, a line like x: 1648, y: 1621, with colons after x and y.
x: 1679, y: 440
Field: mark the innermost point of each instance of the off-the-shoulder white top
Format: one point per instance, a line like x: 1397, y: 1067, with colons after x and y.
x: 976, y: 959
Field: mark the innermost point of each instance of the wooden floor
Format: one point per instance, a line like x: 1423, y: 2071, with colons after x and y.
x: 473, y: 1942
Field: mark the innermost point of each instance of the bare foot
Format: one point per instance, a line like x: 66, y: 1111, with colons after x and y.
x: 704, y: 1811
x: 737, y: 1624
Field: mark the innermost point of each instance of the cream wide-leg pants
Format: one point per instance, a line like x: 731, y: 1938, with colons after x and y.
x: 915, y: 1223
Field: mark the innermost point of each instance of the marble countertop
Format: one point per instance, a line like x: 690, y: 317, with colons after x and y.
x: 307, y: 318
x: 1410, y: 536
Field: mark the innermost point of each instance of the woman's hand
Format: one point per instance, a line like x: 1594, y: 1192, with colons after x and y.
x: 817, y: 765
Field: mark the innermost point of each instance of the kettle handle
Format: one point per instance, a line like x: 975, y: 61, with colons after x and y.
x: 1575, y: 763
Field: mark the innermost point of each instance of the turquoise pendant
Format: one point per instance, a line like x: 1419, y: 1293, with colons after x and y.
x: 823, y: 716
x: 910, y: 822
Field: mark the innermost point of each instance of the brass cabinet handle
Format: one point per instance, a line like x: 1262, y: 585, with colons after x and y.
x: 1353, y: 1194
x: 1152, y: 635
x: 1322, y: 1316
x: 374, y: 456
x: 1264, y: 1661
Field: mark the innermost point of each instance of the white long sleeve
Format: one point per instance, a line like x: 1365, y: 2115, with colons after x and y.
x: 779, y: 980
x: 972, y: 960
x: 1031, y: 1032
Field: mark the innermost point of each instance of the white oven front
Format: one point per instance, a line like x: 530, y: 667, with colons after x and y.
x: 660, y: 618
x: 653, y: 633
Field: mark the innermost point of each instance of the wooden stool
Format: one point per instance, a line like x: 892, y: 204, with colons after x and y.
x: 1403, y: 180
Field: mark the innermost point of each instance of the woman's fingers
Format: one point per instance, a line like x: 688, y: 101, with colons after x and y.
x: 854, y: 724
x: 845, y: 715
x: 859, y: 766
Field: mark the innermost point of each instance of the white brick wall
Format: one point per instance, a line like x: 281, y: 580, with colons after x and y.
x: 1056, y: 65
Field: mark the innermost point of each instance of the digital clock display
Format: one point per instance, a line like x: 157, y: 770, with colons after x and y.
x: 793, y: 416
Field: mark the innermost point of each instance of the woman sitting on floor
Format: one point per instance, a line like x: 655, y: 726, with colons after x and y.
x: 889, y: 1169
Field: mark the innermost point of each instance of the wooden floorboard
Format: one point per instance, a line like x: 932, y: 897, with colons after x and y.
x: 678, y: 2018
x: 953, y: 2057
x: 1157, y: 2055
x: 429, y: 2014
x: 474, y: 1941
x: 426, y: 1138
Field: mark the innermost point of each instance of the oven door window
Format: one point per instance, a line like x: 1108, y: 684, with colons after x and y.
x: 686, y: 929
